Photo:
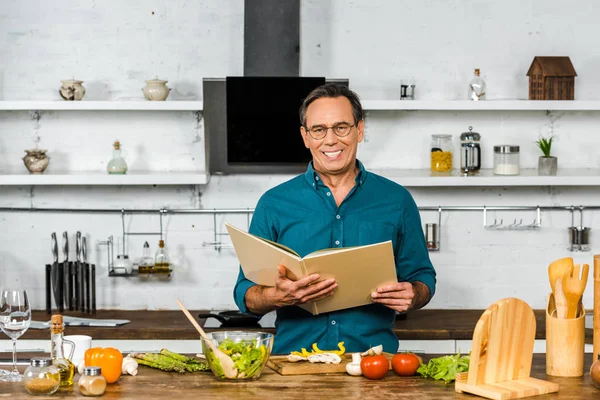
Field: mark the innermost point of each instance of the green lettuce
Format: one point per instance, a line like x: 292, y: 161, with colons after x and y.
x: 445, y: 368
x: 247, y: 358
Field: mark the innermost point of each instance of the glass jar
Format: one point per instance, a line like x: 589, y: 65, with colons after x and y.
x: 506, y: 160
x: 41, y: 378
x: 470, y: 152
x: 441, y: 153
x: 92, y: 383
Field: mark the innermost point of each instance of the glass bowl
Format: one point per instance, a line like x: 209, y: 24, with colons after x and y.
x: 248, y: 350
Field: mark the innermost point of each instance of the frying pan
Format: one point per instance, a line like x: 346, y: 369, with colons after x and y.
x: 233, y: 318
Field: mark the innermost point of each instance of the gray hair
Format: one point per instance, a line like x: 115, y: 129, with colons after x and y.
x: 332, y: 90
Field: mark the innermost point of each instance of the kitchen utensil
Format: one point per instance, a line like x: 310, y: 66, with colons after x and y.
x: 55, y: 286
x: 560, y: 300
x: 77, y: 274
x: 501, y: 354
x: 226, y: 362
x: 596, y: 320
x: 233, y: 318
x: 93, y: 284
x: 67, y: 272
x: 470, y: 152
x: 557, y: 269
x: 49, y: 288
x: 574, y: 286
x: 86, y: 275
x: 565, y: 341
x: 282, y: 366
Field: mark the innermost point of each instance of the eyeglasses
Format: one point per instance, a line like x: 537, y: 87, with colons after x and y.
x: 320, y: 131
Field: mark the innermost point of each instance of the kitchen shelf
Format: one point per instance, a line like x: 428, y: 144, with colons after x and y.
x: 527, y: 177
x: 61, y: 105
x: 97, y: 178
x: 484, y: 105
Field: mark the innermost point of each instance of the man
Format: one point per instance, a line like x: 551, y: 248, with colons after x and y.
x: 337, y: 203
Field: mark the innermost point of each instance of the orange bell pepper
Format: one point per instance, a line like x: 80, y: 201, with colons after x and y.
x: 109, y: 359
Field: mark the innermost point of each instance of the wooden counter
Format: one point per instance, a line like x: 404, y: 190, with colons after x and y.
x: 155, y: 384
x: 166, y: 325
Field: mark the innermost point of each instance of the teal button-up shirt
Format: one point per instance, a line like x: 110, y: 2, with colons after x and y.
x: 302, y: 214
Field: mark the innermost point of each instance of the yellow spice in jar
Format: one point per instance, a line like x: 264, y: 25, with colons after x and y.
x: 441, y: 161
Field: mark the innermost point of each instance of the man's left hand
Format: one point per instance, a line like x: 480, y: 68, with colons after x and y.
x: 402, y: 296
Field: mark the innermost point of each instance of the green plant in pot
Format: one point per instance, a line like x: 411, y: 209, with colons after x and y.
x: 547, y: 164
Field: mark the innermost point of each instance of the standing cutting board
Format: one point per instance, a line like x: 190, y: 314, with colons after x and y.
x: 501, y: 354
x: 281, y: 365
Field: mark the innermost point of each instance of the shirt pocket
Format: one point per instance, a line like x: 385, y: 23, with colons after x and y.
x: 376, y: 232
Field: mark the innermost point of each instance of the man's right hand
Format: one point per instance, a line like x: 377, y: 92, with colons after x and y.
x: 288, y: 292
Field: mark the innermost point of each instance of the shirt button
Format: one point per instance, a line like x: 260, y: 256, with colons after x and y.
x: 333, y: 322
x: 328, y: 193
x: 313, y: 184
x: 337, y: 217
x: 337, y: 242
x: 317, y: 178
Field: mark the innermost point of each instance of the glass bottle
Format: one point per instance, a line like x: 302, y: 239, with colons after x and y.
x: 441, y: 153
x: 117, y: 164
x: 146, y: 265
x: 41, y: 378
x: 65, y: 366
x: 92, y: 383
x: 161, y: 259
x: 477, y: 88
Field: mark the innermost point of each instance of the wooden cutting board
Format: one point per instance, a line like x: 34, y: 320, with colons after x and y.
x: 281, y: 365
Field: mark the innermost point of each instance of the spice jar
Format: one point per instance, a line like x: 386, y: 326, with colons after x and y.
x: 92, y: 383
x: 506, y: 159
x: 441, y: 153
x: 470, y: 152
x: 41, y: 378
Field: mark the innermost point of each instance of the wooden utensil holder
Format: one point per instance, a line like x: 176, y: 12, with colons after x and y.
x: 565, y: 342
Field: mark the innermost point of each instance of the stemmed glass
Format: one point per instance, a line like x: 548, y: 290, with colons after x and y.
x: 15, y: 317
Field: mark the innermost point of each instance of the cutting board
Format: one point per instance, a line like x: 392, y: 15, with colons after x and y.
x: 281, y: 365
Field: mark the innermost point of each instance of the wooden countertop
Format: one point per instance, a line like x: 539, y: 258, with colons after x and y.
x: 155, y: 384
x: 172, y: 324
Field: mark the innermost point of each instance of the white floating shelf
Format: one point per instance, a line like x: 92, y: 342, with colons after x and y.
x: 61, y: 105
x: 527, y: 177
x: 95, y: 178
x: 484, y: 105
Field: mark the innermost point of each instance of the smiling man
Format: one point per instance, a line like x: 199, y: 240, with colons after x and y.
x: 337, y: 203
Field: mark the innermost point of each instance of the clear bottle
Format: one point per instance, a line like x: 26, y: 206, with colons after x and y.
x: 92, y: 383
x: 146, y: 265
x: 41, y: 378
x: 65, y: 366
x: 477, y: 87
x: 441, y: 153
x: 117, y: 164
x: 161, y: 259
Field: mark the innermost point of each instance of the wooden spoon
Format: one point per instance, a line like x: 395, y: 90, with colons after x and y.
x: 573, y: 287
x: 560, y: 300
x: 558, y: 269
x: 226, y: 362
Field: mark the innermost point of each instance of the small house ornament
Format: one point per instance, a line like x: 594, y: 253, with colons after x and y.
x: 551, y: 78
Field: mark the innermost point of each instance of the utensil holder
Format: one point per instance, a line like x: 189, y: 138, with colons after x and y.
x: 565, y: 340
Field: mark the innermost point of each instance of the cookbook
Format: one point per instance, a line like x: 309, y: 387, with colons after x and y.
x: 358, y: 270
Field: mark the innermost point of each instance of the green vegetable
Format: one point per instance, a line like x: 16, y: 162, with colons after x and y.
x: 445, y: 368
x: 169, y: 361
x: 247, y: 358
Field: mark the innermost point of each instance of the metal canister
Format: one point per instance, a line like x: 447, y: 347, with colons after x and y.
x: 470, y: 152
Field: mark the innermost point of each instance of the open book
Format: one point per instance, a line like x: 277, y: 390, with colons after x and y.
x: 357, y: 270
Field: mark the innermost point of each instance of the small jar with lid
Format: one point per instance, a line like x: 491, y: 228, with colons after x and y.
x: 506, y: 159
x: 441, y: 153
x: 470, y: 152
x: 41, y: 378
x: 92, y: 383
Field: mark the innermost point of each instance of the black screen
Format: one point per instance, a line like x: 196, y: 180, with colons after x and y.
x: 263, y: 126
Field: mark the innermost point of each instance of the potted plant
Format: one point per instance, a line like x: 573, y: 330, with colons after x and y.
x: 547, y: 164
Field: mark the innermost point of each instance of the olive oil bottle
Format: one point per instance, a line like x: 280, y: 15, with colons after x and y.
x: 65, y: 367
x: 161, y: 260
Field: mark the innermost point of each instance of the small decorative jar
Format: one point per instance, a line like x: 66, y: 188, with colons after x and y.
x: 92, y: 383
x: 506, y: 159
x: 156, y: 89
x: 36, y: 160
x: 41, y: 378
x: 117, y: 164
x: 441, y: 153
x: 71, y: 89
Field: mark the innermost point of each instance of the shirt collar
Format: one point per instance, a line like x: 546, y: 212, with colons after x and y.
x: 312, y: 177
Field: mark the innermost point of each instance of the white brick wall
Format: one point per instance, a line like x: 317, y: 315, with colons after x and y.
x: 115, y: 45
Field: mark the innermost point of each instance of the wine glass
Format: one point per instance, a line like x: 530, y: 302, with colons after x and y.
x: 15, y: 317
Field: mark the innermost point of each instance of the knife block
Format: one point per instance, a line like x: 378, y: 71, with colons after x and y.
x: 565, y: 342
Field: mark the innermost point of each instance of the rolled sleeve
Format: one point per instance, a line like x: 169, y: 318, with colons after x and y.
x: 239, y: 291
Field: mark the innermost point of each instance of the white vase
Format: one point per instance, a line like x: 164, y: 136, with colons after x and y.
x: 156, y: 90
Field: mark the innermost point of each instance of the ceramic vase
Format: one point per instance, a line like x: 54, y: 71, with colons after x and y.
x: 36, y: 161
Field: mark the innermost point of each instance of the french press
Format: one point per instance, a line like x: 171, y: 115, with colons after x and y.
x: 470, y: 152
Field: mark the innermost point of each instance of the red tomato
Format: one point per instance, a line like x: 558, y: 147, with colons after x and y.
x: 405, y: 364
x: 374, y: 367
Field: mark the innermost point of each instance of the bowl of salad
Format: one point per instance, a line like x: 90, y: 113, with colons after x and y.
x: 249, y: 352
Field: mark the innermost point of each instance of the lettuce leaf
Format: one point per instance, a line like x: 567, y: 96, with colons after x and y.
x: 445, y: 368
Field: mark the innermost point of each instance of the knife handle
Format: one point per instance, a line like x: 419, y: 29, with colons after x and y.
x: 93, y: 289
x: 86, y: 275
x: 61, y: 285
x: 49, y: 289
